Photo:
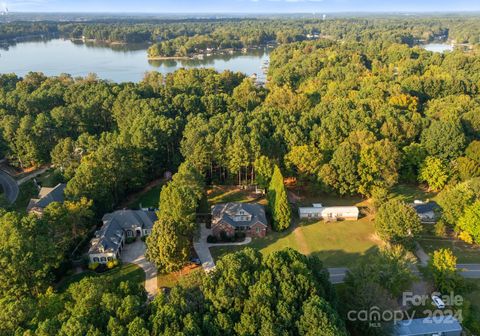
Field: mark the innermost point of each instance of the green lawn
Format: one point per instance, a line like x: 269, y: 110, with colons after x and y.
x: 409, y: 193
x: 124, y: 272
x: 225, y: 194
x: 336, y: 244
x: 149, y: 199
x: 27, y: 191
x: 49, y: 179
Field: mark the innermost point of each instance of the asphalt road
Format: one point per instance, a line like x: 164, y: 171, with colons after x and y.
x: 470, y: 271
x: 9, y: 186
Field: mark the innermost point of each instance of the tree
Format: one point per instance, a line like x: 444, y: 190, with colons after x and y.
x: 167, y: 246
x: 397, y: 222
x: 412, y: 158
x: 444, y: 139
x: 263, y: 171
x: 434, y: 173
x: 278, y: 201
x: 318, y: 318
x: 469, y: 222
x: 473, y: 151
x: 444, y: 269
x: 305, y: 160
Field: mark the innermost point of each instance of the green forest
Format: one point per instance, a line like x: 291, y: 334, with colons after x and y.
x: 355, y: 112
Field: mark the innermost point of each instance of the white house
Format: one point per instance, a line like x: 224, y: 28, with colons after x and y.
x: 317, y: 211
x: 109, y: 241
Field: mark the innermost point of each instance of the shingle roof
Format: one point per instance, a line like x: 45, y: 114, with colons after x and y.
x: 427, y: 326
x: 226, y: 211
x: 425, y: 207
x: 49, y: 195
x: 108, y: 238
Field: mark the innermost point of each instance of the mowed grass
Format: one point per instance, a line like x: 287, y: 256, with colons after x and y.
x: 225, y: 194
x: 124, y: 272
x: 149, y: 199
x: 464, y: 252
x: 337, y: 244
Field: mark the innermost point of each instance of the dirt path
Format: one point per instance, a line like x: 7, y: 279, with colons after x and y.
x: 300, y: 238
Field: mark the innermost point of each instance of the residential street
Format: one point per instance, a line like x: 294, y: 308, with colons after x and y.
x: 135, y: 254
x: 10, y: 186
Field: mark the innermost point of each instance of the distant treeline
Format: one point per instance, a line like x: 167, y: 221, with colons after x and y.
x: 178, y: 37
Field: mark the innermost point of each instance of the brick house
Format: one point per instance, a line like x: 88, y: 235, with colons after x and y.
x: 239, y: 217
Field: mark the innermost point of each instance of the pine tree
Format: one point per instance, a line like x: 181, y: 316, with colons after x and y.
x: 278, y: 201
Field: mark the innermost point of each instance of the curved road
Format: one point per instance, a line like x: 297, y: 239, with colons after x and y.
x: 9, y: 186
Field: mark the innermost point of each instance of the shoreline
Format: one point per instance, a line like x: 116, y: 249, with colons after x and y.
x: 164, y: 58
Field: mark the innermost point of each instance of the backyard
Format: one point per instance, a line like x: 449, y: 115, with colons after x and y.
x: 335, y: 243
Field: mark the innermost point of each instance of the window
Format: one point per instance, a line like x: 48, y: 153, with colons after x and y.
x: 95, y: 259
x: 257, y: 230
x: 129, y: 233
x: 109, y: 258
x: 103, y: 259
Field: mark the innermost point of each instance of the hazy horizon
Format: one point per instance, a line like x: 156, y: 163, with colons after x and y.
x: 239, y: 7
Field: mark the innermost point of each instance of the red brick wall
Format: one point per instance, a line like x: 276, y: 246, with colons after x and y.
x: 253, y: 230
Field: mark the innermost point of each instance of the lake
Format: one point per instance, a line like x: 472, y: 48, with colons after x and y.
x: 118, y: 63
x: 438, y: 47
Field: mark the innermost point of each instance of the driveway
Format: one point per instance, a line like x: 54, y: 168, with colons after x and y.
x: 135, y: 254
x: 202, y: 248
x: 9, y: 186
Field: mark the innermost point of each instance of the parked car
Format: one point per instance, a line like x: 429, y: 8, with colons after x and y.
x: 438, y: 302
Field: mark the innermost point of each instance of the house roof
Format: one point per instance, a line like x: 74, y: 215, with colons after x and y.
x: 109, y: 237
x: 224, y: 212
x: 421, y: 208
x: 427, y: 326
x: 333, y: 209
x: 48, y: 196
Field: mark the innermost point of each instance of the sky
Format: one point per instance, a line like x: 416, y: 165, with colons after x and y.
x: 240, y: 6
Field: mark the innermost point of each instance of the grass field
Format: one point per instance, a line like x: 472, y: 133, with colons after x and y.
x: 335, y: 243
x: 124, y: 272
x: 464, y: 252
x: 149, y: 199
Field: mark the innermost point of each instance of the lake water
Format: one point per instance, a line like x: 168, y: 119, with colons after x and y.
x: 438, y: 47
x: 117, y: 63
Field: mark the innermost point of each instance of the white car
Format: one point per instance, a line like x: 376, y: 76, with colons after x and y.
x: 438, y: 302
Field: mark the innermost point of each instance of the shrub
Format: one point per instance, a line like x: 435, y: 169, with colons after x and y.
x: 440, y: 229
x: 112, y: 263
x: 143, y: 238
x: 466, y: 237
x: 212, y: 239
x: 130, y: 240
x: 240, y: 235
x: 93, y: 266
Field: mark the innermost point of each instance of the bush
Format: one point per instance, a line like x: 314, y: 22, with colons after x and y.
x: 130, y: 240
x: 240, y: 235
x: 143, y: 238
x: 93, y: 266
x: 440, y: 229
x: 112, y: 263
x: 212, y: 239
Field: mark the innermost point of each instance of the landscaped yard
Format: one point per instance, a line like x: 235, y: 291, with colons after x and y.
x: 335, y: 243
x: 148, y: 199
x: 124, y: 272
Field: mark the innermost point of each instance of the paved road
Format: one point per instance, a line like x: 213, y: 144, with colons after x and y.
x: 10, y: 186
x: 135, y: 254
x: 337, y: 275
x: 470, y: 271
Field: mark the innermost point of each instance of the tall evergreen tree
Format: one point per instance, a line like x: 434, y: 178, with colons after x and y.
x: 278, y: 201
